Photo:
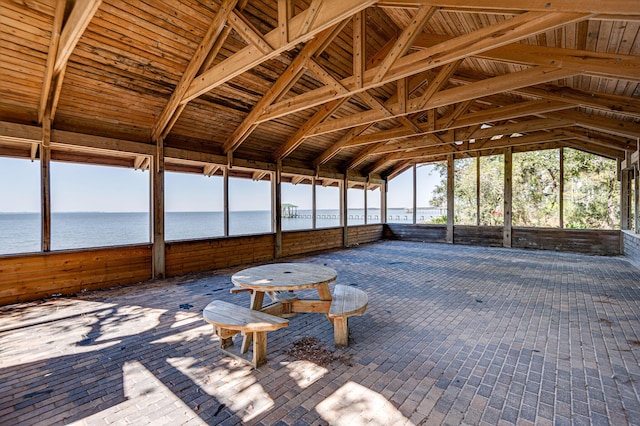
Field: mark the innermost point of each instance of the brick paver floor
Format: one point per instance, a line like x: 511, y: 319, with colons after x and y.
x: 453, y: 335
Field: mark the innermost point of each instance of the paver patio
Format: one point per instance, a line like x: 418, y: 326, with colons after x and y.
x: 452, y: 335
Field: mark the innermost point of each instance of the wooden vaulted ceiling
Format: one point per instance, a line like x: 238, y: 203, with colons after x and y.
x: 322, y: 86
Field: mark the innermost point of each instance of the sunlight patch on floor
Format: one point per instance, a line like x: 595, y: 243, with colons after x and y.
x: 305, y: 373
x: 353, y: 405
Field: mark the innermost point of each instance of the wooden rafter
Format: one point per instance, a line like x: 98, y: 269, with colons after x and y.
x: 64, y: 39
x: 405, y: 41
x: 291, y: 75
x: 454, y: 95
x: 248, y: 57
x: 197, y: 60
x: 472, y: 43
x: 623, y: 7
x: 597, y: 64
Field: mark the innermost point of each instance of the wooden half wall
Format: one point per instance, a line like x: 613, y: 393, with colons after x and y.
x: 587, y: 241
x: 26, y: 277
x: 33, y: 276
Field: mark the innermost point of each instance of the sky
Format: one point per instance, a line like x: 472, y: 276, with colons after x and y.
x: 88, y: 188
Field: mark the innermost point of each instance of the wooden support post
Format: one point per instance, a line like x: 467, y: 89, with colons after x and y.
x: 344, y: 210
x: 383, y: 201
x: 366, y: 204
x: 259, y: 348
x: 636, y: 225
x: 415, y: 194
x: 450, y: 197
x: 341, y: 331
x: 625, y: 198
x: 561, y: 195
x: 158, y: 212
x: 225, y: 195
x: 45, y: 186
x: 277, y: 206
x: 478, y: 189
x: 508, y: 195
x: 314, y: 204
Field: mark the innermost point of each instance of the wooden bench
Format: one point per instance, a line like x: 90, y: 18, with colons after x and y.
x: 229, y: 319
x: 346, y: 301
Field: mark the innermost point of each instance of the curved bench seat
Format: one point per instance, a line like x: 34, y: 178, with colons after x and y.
x: 346, y: 301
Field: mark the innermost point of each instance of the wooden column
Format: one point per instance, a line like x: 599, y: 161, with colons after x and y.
x: 45, y: 186
x: 508, y: 195
x: 277, y: 208
x: 225, y: 195
x: 415, y: 194
x: 450, y: 198
x: 383, y: 201
x: 314, y: 205
x: 366, y: 204
x: 625, y: 198
x: 561, y: 196
x: 636, y: 225
x: 158, y: 212
x: 343, y: 210
x: 478, y: 189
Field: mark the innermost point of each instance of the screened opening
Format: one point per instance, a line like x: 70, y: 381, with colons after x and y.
x: 297, y: 206
x: 96, y: 206
x: 249, y: 206
x: 327, y: 206
x: 400, y: 198
x: 194, y: 206
x: 20, y: 228
x: 355, y: 206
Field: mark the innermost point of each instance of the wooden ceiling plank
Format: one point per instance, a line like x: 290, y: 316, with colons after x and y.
x: 248, y: 58
x: 197, y: 60
x: 499, y: 34
x: 405, y: 41
x: 290, y: 76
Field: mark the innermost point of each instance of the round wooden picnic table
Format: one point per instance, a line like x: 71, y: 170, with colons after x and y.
x: 284, y: 277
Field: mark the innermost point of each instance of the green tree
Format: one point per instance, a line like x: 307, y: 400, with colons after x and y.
x: 536, y: 188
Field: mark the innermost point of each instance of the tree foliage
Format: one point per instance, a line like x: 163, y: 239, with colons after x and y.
x: 591, y: 196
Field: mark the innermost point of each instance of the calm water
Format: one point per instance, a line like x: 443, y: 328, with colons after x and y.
x: 20, y: 232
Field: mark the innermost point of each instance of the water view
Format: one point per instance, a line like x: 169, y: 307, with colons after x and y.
x: 20, y: 232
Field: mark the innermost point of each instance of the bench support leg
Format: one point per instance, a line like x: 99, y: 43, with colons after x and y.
x: 259, y: 348
x: 256, y: 303
x: 340, y: 331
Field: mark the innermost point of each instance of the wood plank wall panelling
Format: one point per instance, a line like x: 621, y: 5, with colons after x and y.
x: 488, y: 236
x: 423, y: 233
x: 34, y: 276
x: 589, y: 241
x: 299, y: 242
x: 365, y: 234
x: 184, y: 257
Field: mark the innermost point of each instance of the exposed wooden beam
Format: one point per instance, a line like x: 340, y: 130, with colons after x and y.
x: 449, y: 148
x: 486, y: 38
x: 405, y: 41
x: 623, y: 7
x: 440, y: 80
x: 285, y: 11
x: 51, y: 58
x: 454, y: 95
x: 248, y: 32
x: 359, y: 45
x: 210, y: 169
x: 598, y: 64
x: 625, y: 129
x: 78, y: 20
x: 291, y: 75
x: 197, y: 60
x: 249, y: 57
